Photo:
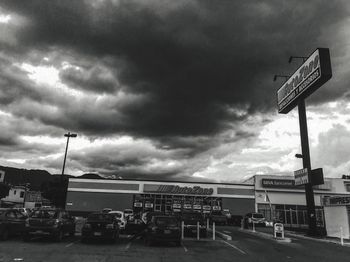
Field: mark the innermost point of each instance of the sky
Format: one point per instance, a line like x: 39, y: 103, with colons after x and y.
x: 169, y: 90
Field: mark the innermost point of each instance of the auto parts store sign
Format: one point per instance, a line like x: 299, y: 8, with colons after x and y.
x: 172, y: 189
x: 313, y: 73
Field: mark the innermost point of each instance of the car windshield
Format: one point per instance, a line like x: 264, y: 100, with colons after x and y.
x: 258, y: 215
x: 99, y: 216
x: 44, y: 214
x: 166, y: 221
x: 117, y: 215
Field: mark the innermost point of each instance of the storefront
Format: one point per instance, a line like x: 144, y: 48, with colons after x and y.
x: 86, y: 195
x: 278, y: 198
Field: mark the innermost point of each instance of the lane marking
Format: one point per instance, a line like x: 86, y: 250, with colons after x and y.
x: 128, y: 246
x: 227, y: 232
x: 182, y: 244
x: 71, y: 244
x: 233, y: 246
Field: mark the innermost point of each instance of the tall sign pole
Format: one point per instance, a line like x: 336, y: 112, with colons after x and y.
x: 309, y: 192
x: 68, y: 135
x: 311, y: 75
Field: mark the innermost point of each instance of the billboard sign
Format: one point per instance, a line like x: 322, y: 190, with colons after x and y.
x: 311, y: 75
x: 301, y: 177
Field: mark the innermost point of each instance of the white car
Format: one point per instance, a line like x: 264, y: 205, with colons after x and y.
x: 119, y: 215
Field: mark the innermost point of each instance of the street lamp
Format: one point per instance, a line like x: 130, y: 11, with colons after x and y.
x: 68, y: 135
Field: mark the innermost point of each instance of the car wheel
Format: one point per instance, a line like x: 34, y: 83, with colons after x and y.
x: 5, y: 234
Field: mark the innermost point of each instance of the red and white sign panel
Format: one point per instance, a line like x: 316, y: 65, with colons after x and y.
x: 312, y: 74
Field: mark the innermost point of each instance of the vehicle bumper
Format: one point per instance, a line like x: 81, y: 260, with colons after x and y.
x: 98, y: 234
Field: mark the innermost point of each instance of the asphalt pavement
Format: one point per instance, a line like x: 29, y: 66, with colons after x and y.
x: 244, y: 246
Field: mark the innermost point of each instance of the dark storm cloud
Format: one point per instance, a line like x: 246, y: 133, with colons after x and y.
x: 138, y: 158
x: 192, y: 60
x: 97, y: 79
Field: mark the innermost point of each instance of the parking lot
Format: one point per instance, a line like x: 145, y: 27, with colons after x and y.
x: 242, y: 247
x: 71, y: 249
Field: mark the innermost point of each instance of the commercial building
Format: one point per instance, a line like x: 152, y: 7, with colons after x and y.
x: 87, y: 195
x: 275, y: 196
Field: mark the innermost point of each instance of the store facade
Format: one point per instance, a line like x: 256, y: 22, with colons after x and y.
x: 278, y: 198
x: 90, y: 195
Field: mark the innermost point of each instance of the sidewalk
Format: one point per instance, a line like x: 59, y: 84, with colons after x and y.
x: 267, y: 232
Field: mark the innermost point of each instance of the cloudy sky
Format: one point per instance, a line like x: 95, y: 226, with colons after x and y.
x: 177, y: 90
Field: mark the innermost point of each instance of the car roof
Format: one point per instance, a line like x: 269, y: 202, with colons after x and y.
x: 115, y: 211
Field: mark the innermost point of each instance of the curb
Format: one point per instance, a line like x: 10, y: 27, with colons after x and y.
x: 220, y: 234
x: 266, y: 236
x: 317, y: 239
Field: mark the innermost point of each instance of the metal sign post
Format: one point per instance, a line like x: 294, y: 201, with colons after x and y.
x: 311, y: 75
x: 309, y: 192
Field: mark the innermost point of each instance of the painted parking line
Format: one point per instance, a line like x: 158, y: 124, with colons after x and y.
x: 128, y: 246
x: 233, y: 246
x: 71, y: 244
x: 182, y: 244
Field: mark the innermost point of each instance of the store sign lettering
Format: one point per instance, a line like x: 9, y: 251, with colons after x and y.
x: 278, y: 183
x: 171, y: 189
x: 312, y: 74
x: 336, y: 201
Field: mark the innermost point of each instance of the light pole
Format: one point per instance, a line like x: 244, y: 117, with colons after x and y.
x: 68, y: 135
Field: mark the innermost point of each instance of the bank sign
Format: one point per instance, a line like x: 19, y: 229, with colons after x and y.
x: 312, y: 74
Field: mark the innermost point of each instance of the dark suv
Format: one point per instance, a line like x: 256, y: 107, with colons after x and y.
x: 163, y: 229
x: 190, y: 224
x: 11, y: 222
x: 100, y: 225
x: 49, y: 221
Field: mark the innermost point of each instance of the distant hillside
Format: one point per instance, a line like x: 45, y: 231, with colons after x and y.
x: 90, y: 176
x: 17, y: 176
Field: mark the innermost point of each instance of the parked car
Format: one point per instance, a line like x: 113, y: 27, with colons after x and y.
x: 55, y: 222
x: 257, y: 218
x: 190, y: 224
x: 100, y: 225
x: 164, y: 229
x: 227, y: 213
x: 236, y: 220
x: 218, y: 217
x: 25, y: 211
x: 119, y: 216
x: 147, y: 216
x: 11, y: 222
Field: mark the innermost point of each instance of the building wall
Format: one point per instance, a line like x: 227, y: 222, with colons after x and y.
x: 239, y: 206
x: 95, y: 202
x: 16, y: 195
x: 336, y: 217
